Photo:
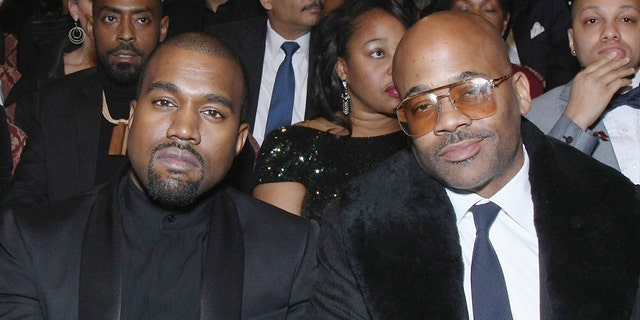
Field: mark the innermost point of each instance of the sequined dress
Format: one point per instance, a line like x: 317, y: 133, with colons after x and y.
x: 321, y: 161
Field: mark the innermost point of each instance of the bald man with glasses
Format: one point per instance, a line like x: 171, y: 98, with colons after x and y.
x: 486, y: 218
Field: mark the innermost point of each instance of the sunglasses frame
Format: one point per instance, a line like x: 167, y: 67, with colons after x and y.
x: 493, y: 82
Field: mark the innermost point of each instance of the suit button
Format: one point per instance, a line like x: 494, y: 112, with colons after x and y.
x: 171, y: 218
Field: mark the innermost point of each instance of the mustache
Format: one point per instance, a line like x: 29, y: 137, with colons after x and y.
x: 314, y: 5
x: 125, y: 46
x: 458, y: 136
x: 181, y: 146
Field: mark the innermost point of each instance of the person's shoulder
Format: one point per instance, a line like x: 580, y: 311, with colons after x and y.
x: 59, y: 218
x: 70, y: 83
x: 294, y: 138
x: 385, y: 192
x: 256, y: 214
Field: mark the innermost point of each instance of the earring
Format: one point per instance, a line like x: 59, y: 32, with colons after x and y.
x: 346, y: 99
x: 573, y: 53
x: 76, y: 34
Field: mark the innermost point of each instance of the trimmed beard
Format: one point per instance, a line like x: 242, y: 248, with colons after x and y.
x: 173, y: 193
x: 123, y: 73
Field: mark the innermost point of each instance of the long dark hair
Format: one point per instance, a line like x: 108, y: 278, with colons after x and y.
x: 329, y: 40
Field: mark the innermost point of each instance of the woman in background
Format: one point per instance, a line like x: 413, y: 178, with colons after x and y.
x: 302, y: 167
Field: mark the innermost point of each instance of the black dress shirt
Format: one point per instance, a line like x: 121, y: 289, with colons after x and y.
x: 164, y: 252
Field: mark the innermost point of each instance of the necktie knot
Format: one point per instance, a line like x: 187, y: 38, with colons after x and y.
x: 631, y: 98
x: 289, y: 47
x: 484, y: 215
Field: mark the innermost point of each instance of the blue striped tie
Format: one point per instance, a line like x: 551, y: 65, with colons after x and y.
x: 281, y: 107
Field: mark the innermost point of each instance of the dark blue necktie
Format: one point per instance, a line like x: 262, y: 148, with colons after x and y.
x: 281, y: 107
x: 631, y: 98
x: 488, y: 289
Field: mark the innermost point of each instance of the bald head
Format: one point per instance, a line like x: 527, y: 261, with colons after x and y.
x: 430, y: 45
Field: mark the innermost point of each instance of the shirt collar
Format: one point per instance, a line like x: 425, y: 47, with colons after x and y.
x: 274, y: 41
x: 509, y: 198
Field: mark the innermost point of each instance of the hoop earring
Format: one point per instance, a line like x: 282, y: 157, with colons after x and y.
x: 76, y: 34
x: 346, y: 99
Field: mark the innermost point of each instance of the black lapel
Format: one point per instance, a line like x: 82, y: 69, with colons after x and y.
x: 100, y: 264
x: 223, y: 271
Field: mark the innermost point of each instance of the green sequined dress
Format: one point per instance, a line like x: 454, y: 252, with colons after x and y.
x: 321, y: 161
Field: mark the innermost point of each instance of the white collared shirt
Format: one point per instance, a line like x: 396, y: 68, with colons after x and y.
x: 273, y: 57
x: 513, y: 236
x: 623, y: 128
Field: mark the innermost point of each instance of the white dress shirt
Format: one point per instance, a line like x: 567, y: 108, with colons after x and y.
x: 513, y: 236
x: 623, y: 128
x: 273, y: 57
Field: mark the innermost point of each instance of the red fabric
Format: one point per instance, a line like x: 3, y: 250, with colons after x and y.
x: 18, y: 138
x: 536, y: 81
x: 9, y: 76
x: 10, y: 50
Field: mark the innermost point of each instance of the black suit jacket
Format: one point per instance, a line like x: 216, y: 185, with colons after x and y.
x: 248, y: 38
x: 63, y: 261
x: 390, y: 249
x: 59, y: 159
x: 540, y: 34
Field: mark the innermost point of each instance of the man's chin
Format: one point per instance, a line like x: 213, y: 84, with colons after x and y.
x: 124, y: 73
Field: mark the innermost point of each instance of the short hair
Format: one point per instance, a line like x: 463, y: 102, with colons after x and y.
x: 206, y: 44
x: 329, y: 39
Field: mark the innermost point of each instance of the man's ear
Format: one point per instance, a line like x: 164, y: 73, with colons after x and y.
x: 522, y: 91
x: 243, y: 133
x: 164, y: 26
x: 90, y: 27
x: 266, y: 4
x: 570, y: 35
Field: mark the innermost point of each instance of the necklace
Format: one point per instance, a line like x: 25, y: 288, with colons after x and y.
x: 118, y: 143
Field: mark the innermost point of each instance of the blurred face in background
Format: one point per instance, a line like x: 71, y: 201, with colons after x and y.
x: 293, y: 18
x: 367, y: 66
x: 488, y: 9
x: 125, y: 33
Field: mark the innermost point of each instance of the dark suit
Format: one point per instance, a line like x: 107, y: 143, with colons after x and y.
x: 248, y: 38
x: 59, y: 159
x: 390, y: 248
x: 64, y: 261
x: 541, y: 37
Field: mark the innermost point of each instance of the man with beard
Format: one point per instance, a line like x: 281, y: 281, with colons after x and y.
x: 164, y: 240
x: 80, y: 120
x: 487, y: 218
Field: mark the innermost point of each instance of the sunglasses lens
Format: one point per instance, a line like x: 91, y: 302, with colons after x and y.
x: 418, y: 114
x: 473, y: 98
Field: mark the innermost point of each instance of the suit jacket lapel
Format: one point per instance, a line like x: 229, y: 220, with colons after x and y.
x: 223, y: 272
x: 100, y: 265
